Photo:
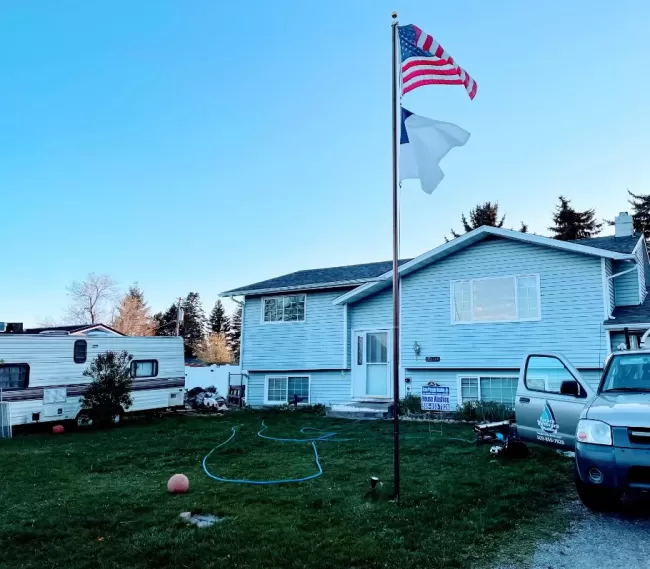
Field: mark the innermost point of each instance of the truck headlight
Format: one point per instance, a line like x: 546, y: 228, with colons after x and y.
x: 593, y: 432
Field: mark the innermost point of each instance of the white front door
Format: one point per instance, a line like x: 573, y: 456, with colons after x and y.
x: 370, y: 363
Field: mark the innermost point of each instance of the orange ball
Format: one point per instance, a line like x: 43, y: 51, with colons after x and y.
x: 178, y: 484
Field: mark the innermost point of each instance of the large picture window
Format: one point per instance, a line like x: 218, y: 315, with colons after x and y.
x: 500, y: 299
x: 497, y: 389
x: 290, y: 308
x: 284, y: 389
x: 14, y: 376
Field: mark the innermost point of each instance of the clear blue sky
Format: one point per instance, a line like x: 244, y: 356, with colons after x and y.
x: 199, y: 146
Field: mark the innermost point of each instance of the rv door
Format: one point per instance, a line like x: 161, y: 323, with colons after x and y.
x: 551, y: 394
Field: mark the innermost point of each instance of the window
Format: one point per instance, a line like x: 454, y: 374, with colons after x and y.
x: 488, y: 388
x: 500, y: 299
x: 283, y: 389
x: 377, y: 348
x: 14, y: 376
x: 80, y: 351
x: 144, y: 368
x: 546, y: 373
x: 284, y: 308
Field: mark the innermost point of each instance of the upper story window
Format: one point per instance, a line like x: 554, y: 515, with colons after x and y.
x: 290, y: 308
x: 14, y: 376
x: 500, y: 299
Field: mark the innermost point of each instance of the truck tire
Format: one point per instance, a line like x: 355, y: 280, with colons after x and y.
x: 597, y: 498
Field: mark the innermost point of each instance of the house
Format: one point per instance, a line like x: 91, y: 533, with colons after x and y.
x: 471, y: 309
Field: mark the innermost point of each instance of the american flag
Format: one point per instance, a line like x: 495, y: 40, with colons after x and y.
x: 425, y: 62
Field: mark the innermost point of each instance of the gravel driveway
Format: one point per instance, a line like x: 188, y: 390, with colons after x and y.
x: 603, y: 541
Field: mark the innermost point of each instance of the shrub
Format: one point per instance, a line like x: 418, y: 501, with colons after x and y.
x: 109, y: 393
x: 484, y: 411
x: 411, y: 404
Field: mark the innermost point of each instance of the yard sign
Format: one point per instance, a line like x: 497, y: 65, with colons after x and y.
x: 435, y: 398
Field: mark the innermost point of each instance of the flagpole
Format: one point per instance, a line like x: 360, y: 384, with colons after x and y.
x: 396, y: 315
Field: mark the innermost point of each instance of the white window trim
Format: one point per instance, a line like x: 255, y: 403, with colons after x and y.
x: 265, y: 298
x: 284, y: 376
x: 471, y: 300
x: 460, y: 377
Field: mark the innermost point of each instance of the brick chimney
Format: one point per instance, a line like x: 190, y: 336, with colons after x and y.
x: 623, y: 225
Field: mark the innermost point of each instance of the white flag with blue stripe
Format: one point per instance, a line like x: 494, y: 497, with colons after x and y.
x: 423, y: 144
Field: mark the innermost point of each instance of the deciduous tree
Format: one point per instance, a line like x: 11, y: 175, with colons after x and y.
x: 133, y: 316
x: 92, y: 300
x: 214, y: 349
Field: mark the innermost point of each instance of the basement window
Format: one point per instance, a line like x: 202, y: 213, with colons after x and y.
x: 497, y: 389
x: 284, y: 389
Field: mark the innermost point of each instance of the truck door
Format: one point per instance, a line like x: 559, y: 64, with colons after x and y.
x: 550, y: 397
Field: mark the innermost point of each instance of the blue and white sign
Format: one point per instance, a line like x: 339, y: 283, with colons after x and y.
x: 435, y: 398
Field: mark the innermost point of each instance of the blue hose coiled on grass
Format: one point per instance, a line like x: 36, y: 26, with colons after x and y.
x: 323, y: 437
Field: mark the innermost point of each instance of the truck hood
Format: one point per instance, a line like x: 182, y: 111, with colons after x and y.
x: 621, y: 409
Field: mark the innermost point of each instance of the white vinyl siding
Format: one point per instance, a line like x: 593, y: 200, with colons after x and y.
x: 281, y: 389
x: 496, y: 299
x: 290, y: 308
x: 497, y: 389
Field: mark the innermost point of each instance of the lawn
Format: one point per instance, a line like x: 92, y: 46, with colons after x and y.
x: 99, y: 498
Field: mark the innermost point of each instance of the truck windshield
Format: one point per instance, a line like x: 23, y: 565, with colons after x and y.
x: 628, y: 373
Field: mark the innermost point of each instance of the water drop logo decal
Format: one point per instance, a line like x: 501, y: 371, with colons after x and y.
x: 546, y: 420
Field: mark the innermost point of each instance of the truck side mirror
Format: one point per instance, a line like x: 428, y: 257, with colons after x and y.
x: 570, y: 388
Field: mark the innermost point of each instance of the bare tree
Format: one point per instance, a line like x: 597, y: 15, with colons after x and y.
x: 214, y: 349
x: 91, y: 300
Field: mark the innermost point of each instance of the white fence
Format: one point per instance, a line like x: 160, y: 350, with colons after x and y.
x: 211, y: 375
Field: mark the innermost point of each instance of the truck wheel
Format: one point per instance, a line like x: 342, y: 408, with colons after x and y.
x: 597, y: 498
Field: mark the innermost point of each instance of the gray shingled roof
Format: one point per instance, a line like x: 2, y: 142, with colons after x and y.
x: 624, y: 315
x: 352, y: 274
x: 357, y: 274
x: 617, y: 244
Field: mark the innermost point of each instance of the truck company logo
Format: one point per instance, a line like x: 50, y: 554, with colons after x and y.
x: 547, y: 421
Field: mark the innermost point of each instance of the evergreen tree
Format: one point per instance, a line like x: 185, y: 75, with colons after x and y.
x: 484, y: 214
x: 234, y: 336
x: 570, y: 224
x: 133, y: 315
x: 219, y: 323
x: 640, y: 212
x: 194, y: 323
x: 165, y: 322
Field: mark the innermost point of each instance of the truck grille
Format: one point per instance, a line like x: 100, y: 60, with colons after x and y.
x: 639, y: 435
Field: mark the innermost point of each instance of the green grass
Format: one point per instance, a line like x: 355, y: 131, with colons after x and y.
x: 99, y: 498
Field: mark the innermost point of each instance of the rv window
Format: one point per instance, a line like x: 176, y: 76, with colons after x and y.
x: 80, y: 351
x: 144, y: 368
x: 14, y: 376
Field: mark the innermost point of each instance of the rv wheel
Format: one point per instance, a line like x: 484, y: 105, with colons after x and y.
x: 84, y: 420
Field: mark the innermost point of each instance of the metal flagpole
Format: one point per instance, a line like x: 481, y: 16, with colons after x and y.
x: 395, y: 336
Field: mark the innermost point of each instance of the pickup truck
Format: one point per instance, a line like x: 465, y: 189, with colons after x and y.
x: 608, y: 427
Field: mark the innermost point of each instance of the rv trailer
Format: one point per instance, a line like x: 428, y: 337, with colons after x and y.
x: 41, y: 375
